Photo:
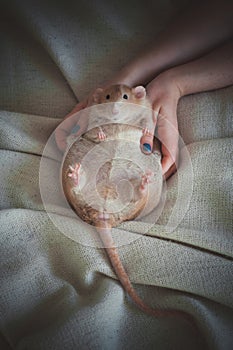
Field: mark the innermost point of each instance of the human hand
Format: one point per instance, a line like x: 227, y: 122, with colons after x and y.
x: 70, y: 125
x: 164, y: 95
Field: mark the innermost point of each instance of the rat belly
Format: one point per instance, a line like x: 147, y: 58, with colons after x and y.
x: 109, y: 180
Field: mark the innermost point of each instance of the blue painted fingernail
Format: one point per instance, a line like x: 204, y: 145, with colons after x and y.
x: 75, y: 129
x: 146, y: 147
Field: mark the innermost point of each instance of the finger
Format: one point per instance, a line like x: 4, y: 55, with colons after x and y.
x: 146, y: 143
x: 172, y: 170
x: 167, y: 163
x: 61, y: 144
x: 168, y: 135
x: 169, y: 154
x: 147, y: 139
x: 155, y: 115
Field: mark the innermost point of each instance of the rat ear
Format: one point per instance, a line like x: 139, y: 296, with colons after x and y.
x: 96, y: 95
x: 139, y: 92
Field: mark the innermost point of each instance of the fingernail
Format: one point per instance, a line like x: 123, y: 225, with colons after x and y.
x: 75, y: 129
x: 147, y: 147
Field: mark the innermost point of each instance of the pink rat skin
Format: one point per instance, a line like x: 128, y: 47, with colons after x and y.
x: 77, y: 176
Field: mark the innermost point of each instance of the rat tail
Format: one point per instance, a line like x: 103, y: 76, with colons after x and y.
x: 104, y: 230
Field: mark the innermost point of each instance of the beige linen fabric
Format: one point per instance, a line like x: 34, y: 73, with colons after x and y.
x: 57, y: 293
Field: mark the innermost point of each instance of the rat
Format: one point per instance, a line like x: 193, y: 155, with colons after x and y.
x: 107, y: 179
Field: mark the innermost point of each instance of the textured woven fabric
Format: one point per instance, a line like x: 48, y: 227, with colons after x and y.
x: 57, y: 293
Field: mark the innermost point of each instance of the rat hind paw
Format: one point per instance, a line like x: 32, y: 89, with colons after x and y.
x: 74, y: 173
x: 101, y: 135
x: 146, y: 179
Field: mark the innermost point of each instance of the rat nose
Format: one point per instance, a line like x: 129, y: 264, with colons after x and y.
x: 115, y: 109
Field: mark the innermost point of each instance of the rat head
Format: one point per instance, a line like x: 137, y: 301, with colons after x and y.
x: 118, y: 94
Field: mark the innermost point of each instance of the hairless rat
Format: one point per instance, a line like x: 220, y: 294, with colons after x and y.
x: 127, y: 183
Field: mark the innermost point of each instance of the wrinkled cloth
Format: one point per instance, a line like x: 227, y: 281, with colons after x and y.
x: 57, y: 293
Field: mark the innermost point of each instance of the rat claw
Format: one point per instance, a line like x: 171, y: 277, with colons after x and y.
x: 74, y: 174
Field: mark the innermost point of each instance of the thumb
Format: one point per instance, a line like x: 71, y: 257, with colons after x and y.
x: 146, y: 141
